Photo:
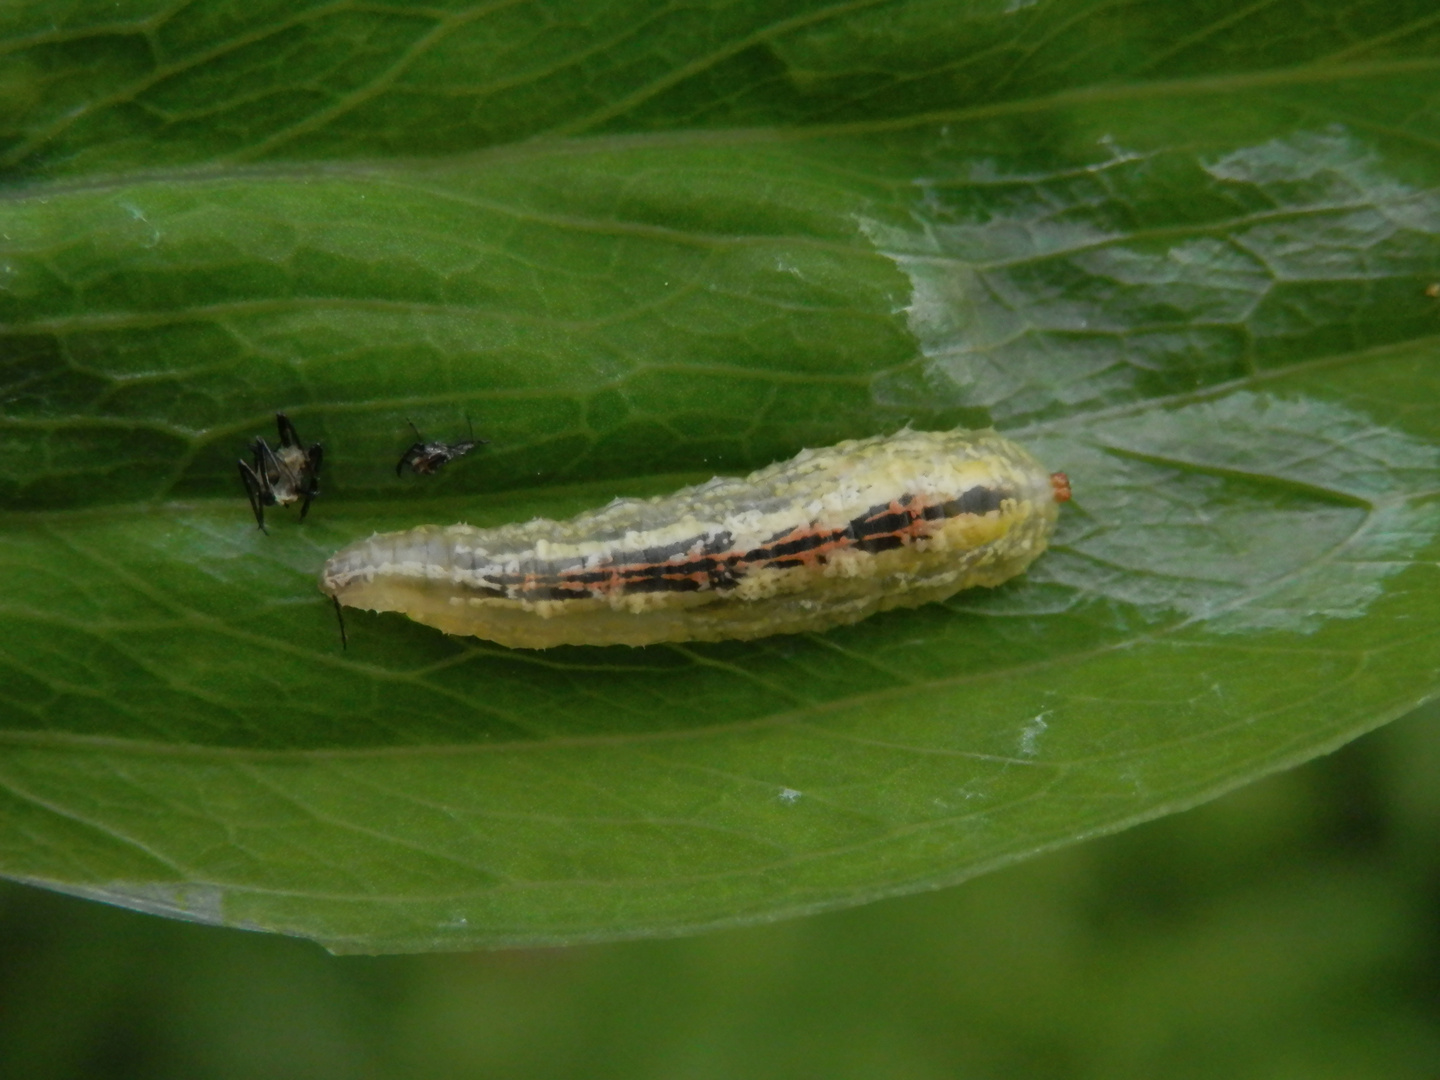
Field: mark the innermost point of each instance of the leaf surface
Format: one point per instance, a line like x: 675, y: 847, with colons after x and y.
x: 1181, y: 253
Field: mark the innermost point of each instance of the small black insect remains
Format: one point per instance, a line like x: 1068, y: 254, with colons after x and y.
x: 289, y: 473
x: 425, y: 458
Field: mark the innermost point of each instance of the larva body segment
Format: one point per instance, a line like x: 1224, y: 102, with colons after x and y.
x: 824, y: 539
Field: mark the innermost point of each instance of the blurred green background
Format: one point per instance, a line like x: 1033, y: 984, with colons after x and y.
x: 1286, y: 930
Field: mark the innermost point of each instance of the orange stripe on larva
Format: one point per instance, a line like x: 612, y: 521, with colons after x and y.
x: 829, y: 537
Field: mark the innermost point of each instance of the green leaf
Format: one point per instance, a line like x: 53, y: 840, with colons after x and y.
x: 1180, y: 251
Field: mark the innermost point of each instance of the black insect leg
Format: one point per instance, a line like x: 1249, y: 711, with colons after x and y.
x: 267, y: 466
x: 416, y: 451
x: 474, y: 442
x: 288, y: 436
x: 410, y: 457
x: 255, y: 488
x: 340, y: 618
x: 312, y: 488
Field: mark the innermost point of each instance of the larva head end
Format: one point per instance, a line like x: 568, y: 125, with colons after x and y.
x: 1061, y: 485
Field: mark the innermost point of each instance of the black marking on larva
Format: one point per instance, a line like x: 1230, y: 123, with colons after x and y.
x: 873, y: 545
x: 589, y: 577
x: 712, y: 565
x: 723, y: 575
x: 882, y: 531
x: 666, y: 552
x: 488, y: 590
x: 663, y: 584
x: 798, y: 546
x: 978, y: 500
x: 719, y: 543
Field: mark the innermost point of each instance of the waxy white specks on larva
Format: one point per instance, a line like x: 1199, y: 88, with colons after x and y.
x: 824, y: 539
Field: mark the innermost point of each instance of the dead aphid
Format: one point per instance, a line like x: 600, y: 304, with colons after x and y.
x: 425, y: 458
x: 289, y: 473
